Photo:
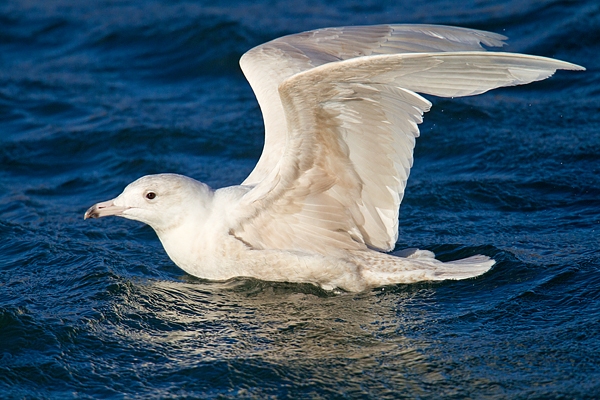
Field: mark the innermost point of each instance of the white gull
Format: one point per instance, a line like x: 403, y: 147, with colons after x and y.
x: 341, y: 109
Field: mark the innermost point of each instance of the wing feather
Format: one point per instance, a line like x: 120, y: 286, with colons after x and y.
x: 268, y: 65
x: 351, y: 131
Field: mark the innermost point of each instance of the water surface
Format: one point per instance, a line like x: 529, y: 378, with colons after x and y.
x: 94, y: 95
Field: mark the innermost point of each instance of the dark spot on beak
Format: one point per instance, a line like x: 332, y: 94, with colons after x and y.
x: 92, y: 212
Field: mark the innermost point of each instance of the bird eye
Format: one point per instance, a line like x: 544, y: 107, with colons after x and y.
x: 150, y: 195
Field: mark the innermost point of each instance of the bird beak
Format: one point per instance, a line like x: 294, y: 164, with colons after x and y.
x: 104, y: 209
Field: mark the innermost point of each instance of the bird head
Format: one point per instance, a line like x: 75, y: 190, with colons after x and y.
x: 160, y: 201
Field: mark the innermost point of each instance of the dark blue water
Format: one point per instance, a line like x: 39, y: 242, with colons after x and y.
x: 95, y: 94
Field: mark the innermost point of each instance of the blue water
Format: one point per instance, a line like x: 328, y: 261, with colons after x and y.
x: 95, y: 94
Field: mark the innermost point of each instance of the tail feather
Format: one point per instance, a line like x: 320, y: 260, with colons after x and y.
x: 419, y: 265
x: 467, y: 267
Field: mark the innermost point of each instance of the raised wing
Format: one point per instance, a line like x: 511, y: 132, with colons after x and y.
x: 351, y: 131
x: 269, y: 64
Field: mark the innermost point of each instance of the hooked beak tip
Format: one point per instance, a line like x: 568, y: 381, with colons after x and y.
x: 103, y: 209
x: 92, y: 212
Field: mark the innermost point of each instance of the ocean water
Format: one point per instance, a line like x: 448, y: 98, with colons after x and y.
x: 96, y: 94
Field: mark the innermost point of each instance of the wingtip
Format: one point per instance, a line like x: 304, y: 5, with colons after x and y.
x: 565, y: 65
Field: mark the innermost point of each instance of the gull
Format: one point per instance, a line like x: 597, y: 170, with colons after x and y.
x: 340, y: 109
